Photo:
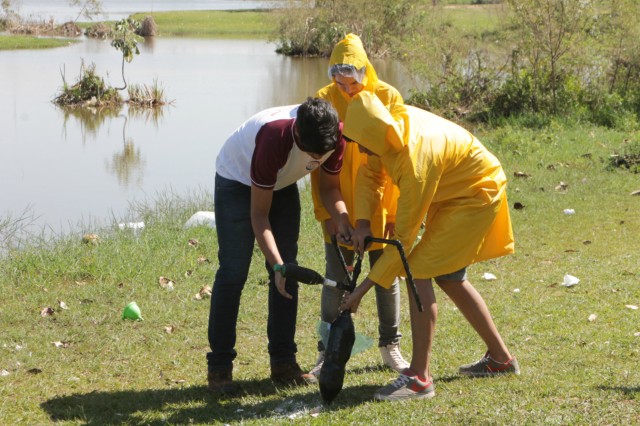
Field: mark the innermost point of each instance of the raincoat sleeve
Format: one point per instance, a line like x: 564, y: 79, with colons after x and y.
x: 370, y: 187
x: 413, y: 203
x: 391, y: 193
x: 390, y: 197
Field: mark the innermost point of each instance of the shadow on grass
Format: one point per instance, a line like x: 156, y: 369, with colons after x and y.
x: 393, y: 374
x: 195, y: 404
x: 627, y: 390
x: 371, y: 369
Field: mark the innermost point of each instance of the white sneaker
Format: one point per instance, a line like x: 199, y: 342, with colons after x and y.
x: 316, y: 370
x: 393, y: 358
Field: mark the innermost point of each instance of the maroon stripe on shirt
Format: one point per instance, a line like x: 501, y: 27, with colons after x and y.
x: 274, y: 141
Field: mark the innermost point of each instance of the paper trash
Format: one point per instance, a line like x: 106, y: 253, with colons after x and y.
x: 570, y: 280
x: 201, y: 218
x: 488, y: 276
x: 131, y: 225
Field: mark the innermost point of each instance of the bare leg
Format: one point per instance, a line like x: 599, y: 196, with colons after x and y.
x: 423, y: 326
x: 475, y: 310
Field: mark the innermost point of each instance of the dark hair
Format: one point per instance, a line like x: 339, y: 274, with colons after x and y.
x: 318, y: 126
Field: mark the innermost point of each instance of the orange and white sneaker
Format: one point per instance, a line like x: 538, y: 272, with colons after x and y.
x: 487, y: 366
x: 406, y: 386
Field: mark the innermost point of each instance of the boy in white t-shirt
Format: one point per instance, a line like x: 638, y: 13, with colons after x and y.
x: 256, y: 198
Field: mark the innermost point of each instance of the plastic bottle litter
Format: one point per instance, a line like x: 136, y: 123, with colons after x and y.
x: 132, y: 312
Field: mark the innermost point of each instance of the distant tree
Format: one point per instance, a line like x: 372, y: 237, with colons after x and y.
x: 624, y: 45
x: 8, y: 11
x: 549, y: 30
x: 88, y: 8
x: 125, y: 40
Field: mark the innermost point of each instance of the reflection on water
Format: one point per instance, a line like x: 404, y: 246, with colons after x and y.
x: 127, y: 165
x: 86, y: 164
x: 88, y: 119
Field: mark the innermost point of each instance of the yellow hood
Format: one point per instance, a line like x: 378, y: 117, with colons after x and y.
x: 350, y: 51
x: 369, y: 123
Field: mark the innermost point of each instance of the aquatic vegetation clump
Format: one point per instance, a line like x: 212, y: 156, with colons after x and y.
x: 89, y: 90
x: 142, y: 95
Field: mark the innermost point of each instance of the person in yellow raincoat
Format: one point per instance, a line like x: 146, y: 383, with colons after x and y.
x: 351, y: 73
x: 451, y: 182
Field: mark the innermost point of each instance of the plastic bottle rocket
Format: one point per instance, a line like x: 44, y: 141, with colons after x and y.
x: 338, y: 351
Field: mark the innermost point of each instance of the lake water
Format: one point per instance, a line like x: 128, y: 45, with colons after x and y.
x: 68, y: 170
x: 60, y: 10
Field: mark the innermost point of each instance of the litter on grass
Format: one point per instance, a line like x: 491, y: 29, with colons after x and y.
x: 361, y: 344
x: 201, y: 218
x: 488, y: 276
x: 570, y: 280
x: 569, y: 211
x: 136, y: 226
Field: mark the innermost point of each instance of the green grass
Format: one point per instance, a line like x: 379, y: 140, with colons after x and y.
x: 476, y: 19
x: 14, y: 42
x: 233, y: 24
x: 114, y: 371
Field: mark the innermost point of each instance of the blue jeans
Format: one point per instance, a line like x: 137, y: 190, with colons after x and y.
x: 235, y: 249
x: 387, y: 300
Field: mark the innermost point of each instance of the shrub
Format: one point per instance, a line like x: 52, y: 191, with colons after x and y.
x: 148, y: 27
x: 628, y: 158
x: 309, y: 28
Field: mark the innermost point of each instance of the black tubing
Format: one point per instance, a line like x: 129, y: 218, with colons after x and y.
x: 398, y: 245
x: 351, y: 283
x: 302, y: 274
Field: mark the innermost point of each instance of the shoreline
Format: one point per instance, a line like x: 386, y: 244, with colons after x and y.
x: 214, y: 24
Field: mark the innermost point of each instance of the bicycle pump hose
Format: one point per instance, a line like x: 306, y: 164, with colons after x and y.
x: 409, y: 277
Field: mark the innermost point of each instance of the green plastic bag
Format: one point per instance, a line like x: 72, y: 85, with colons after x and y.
x: 361, y: 344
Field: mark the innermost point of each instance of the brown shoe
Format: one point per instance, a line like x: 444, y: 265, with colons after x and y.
x: 221, y: 381
x: 291, y: 374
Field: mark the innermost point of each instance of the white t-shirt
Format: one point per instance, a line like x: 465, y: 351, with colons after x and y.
x: 263, y: 152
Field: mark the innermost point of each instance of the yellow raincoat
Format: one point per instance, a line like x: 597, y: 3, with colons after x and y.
x: 445, y: 176
x: 351, y: 51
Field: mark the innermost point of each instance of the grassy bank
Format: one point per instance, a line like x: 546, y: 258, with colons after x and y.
x: 235, y: 24
x: 578, y: 347
x: 15, y: 42
x: 231, y: 24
